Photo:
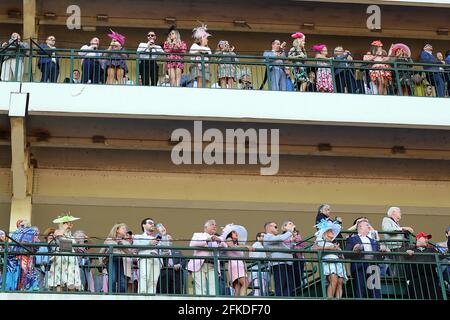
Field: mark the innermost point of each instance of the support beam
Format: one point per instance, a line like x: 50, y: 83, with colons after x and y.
x: 29, y: 19
x: 22, y: 173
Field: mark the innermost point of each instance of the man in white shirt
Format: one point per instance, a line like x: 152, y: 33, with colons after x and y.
x: 91, y: 66
x: 148, y: 67
x: 149, y: 268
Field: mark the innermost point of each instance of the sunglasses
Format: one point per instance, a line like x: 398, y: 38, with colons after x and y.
x: 151, y: 35
x: 276, y: 227
x: 51, y: 39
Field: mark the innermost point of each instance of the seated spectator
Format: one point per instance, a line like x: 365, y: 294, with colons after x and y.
x: 203, y: 270
x: 283, y: 273
x: 360, y: 271
x: 75, y: 76
x: 433, y: 72
x: 422, y: 278
x: 311, y: 85
x: 334, y: 271
x: 259, y: 276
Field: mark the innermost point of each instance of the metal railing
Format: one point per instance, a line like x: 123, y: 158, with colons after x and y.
x: 223, y: 272
x: 395, y: 77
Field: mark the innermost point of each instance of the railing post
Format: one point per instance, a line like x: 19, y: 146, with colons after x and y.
x: 322, y: 276
x: 216, y: 273
x: 269, y: 81
x: 138, y: 60
x: 30, y: 63
x: 397, y: 76
x: 202, y: 61
x: 71, y: 64
x: 5, y: 263
x: 110, y: 268
x: 332, y: 75
x: 441, y: 278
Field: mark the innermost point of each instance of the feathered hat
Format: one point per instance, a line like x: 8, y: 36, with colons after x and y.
x: 298, y: 35
x: 200, y: 32
x: 325, y: 225
x: 402, y: 46
x: 116, y: 37
x: 318, y: 47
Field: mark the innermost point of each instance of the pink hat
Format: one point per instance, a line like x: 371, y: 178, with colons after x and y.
x: 402, y: 46
x: 318, y: 47
x: 297, y: 35
x: 117, y: 37
x: 377, y: 43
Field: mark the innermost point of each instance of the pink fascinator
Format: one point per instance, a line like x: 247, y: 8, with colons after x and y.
x: 117, y: 37
x: 402, y: 46
x: 318, y: 47
x: 200, y: 32
x: 377, y: 43
x: 297, y: 35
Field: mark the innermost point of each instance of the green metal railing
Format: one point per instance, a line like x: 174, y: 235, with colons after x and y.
x: 99, y: 269
x: 245, y: 71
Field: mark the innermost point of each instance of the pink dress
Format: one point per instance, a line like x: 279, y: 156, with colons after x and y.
x: 236, y: 268
x: 324, y: 78
x: 175, y: 48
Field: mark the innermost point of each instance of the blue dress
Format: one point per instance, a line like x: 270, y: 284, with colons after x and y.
x: 332, y: 266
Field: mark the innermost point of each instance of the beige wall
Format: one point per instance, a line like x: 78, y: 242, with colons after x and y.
x: 181, y: 223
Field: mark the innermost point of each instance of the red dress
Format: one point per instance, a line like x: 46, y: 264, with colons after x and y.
x: 180, y: 47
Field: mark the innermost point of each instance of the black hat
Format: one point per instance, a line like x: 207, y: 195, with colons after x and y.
x: 172, y: 27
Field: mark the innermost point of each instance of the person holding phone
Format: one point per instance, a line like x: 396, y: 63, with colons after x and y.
x: 149, y: 268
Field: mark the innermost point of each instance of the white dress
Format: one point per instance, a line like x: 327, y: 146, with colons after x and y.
x: 331, y: 267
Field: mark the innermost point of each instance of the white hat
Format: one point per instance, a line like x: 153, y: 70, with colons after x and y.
x: 324, y: 226
x: 240, y: 230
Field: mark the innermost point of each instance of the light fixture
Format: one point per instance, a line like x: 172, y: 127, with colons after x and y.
x: 241, y: 23
x: 89, y: 28
x: 398, y: 149
x: 50, y: 15
x: 102, y: 17
x: 442, y: 31
x: 14, y: 14
x: 324, y: 147
x: 308, y: 25
x: 170, y: 20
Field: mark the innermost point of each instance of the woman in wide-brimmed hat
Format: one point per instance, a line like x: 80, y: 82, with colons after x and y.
x: 402, y: 55
x: 334, y: 271
x: 64, y: 271
x: 236, y: 236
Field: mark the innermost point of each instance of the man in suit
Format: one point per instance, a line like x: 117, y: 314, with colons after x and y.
x: 433, y: 73
x: 362, y: 270
x: 203, y: 270
x: 48, y: 62
x: 344, y: 75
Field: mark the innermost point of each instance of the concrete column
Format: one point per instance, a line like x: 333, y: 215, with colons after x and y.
x: 29, y: 19
x: 22, y: 172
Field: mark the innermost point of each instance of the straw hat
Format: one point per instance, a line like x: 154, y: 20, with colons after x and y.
x: 65, y: 218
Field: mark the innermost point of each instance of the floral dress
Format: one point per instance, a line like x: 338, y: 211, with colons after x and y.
x: 172, y: 48
x: 324, y: 78
x: 65, y: 270
x: 376, y: 74
x: 299, y: 72
x: 226, y: 70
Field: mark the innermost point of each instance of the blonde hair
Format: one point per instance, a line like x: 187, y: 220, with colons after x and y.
x: 113, y: 233
x: 177, y: 34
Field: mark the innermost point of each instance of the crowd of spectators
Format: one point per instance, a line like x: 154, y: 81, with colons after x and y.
x: 379, y: 72
x: 148, y: 263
